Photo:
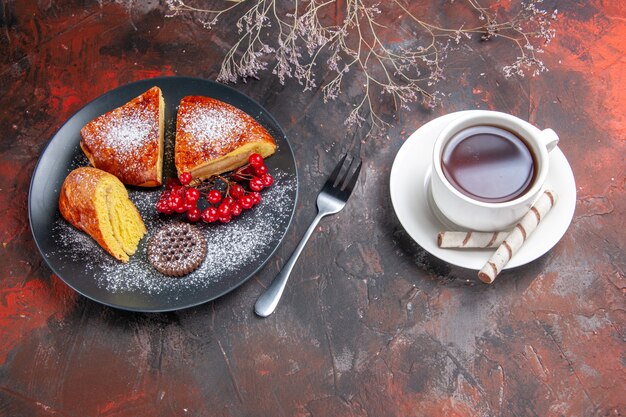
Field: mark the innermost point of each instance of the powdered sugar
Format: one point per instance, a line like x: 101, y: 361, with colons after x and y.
x: 128, y: 133
x: 234, y: 249
x: 125, y: 141
x: 126, y: 130
x: 212, y: 127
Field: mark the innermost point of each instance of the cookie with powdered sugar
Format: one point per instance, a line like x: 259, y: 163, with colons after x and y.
x: 177, y: 249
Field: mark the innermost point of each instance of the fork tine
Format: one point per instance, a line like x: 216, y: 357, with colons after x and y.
x: 333, y: 177
x: 342, y: 181
x: 352, y: 182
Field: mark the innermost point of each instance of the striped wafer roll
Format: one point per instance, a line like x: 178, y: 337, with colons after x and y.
x: 470, y: 240
x: 516, y: 238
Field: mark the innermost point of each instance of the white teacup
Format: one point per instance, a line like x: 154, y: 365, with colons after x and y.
x: 471, y: 213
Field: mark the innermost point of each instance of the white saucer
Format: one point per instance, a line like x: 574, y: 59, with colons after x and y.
x: 410, y: 196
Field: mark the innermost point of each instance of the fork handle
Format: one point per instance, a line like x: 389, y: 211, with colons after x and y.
x: 267, y: 302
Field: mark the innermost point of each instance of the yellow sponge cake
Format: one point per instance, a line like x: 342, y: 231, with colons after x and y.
x: 97, y: 203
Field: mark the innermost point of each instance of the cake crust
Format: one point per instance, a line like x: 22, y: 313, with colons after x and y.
x: 213, y: 137
x: 128, y: 141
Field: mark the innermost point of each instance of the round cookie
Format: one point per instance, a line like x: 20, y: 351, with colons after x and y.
x: 176, y: 249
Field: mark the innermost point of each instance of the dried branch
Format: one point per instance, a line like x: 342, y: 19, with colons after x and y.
x: 293, y: 42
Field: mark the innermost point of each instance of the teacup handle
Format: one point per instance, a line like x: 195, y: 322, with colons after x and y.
x: 549, y: 138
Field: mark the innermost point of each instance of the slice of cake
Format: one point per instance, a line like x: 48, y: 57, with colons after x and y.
x: 213, y: 137
x: 97, y: 203
x: 128, y: 141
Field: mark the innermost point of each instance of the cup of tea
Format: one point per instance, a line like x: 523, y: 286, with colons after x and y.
x: 489, y: 168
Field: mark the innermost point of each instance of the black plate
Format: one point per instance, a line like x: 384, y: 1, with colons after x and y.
x: 237, y: 250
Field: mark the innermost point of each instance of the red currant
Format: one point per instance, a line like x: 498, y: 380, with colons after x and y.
x: 224, y: 209
x: 235, y: 209
x: 185, y: 178
x: 179, y: 197
x: 209, y: 215
x: 163, y: 207
x: 256, y: 197
x: 192, y: 194
x: 214, y: 196
x: 236, y: 191
x: 256, y: 184
x: 174, y: 201
x: 267, y: 180
x: 246, y: 202
x: 260, y: 170
x: 178, y: 190
x: 255, y: 160
x: 194, y: 214
x: 181, y: 208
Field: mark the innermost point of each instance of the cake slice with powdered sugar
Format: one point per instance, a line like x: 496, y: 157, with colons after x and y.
x: 213, y: 137
x: 128, y: 141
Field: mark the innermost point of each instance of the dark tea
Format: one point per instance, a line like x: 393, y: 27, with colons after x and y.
x: 489, y: 164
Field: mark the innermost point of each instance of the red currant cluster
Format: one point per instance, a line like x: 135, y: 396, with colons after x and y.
x: 227, y: 198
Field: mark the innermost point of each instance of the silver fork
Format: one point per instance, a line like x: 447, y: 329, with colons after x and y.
x: 331, y: 199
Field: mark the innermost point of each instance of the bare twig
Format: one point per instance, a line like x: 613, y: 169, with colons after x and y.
x: 291, y: 43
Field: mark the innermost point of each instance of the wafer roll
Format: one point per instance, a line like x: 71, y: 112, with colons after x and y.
x: 470, y: 240
x: 516, y: 238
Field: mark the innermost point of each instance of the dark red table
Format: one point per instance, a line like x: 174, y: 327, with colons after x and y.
x: 371, y: 324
